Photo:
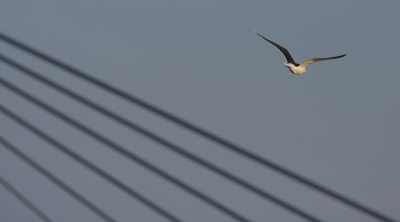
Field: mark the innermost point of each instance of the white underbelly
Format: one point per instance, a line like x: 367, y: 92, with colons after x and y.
x: 295, y: 69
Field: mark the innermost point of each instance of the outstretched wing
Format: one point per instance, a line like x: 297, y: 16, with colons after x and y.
x: 308, y: 62
x: 284, y: 51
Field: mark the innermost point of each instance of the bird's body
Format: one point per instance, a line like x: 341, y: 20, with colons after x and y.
x: 296, y: 68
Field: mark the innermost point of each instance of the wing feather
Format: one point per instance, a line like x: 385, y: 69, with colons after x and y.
x: 284, y: 51
x: 308, y: 62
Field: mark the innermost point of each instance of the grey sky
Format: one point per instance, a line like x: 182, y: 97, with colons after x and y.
x: 338, y: 124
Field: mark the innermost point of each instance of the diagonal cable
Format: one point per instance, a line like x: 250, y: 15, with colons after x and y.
x: 123, y: 151
x: 196, y: 129
x: 79, y: 159
x: 160, y: 140
x: 24, y: 200
x: 57, y: 181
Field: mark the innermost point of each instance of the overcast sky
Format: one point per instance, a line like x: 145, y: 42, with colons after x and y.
x: 338, y: 124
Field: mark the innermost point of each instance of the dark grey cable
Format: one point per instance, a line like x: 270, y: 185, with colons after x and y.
x: 24, y: 200
x: 213, y: 137
x: 57, y: 181
x: 115, y: 147
x: 160, y: 140
x: 83, y: 161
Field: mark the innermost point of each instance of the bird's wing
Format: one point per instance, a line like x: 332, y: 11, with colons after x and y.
x: 308, y: 62
x: 284, y: 51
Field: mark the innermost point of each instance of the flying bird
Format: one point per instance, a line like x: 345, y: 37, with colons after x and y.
x: 296, y: 68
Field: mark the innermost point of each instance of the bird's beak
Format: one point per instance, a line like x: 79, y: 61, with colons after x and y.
x: 305, y: 71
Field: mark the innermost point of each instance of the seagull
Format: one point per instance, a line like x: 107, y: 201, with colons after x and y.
x: 295, y: 68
